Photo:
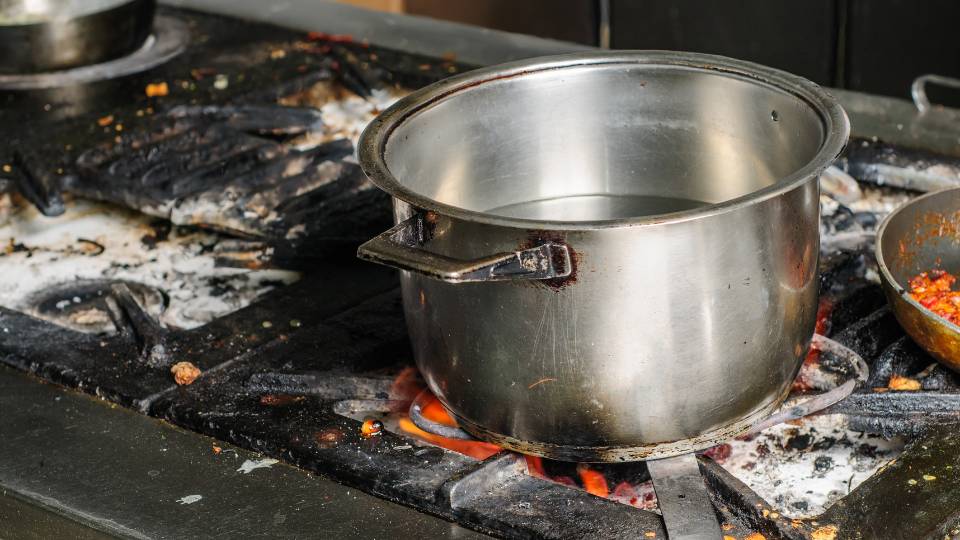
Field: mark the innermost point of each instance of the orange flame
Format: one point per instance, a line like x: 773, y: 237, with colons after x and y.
x: 406, y: 385
x: 432, y: 410
x: 535, y: 466
x: 824, y: 310
x: 475, y: 449
x: 593, y: 481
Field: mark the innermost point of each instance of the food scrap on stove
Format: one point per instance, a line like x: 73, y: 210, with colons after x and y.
x: 898, y: 382
x: 184, y: 373
x: 157, y: 89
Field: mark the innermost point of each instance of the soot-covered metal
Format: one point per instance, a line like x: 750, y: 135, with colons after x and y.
x: 241, y: 154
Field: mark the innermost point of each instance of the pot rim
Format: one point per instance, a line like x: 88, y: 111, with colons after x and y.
x: 373, y: 140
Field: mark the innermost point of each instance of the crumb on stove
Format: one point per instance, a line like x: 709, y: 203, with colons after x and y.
x: 184, y: 373
x: 217, y: 449
x: 90, y: 316
x: 827, y: 532
x: 754, y: 536
x: 898, y: 382
x: 157, y: 89
x: 105, y: 121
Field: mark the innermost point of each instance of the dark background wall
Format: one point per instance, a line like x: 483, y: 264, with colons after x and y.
x: 876, y: 46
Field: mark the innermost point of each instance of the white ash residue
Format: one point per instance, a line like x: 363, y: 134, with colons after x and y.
x: 879, y: 200
x: 344, y: 114
x: 847, y: 230
x: 876, y: 200
x: 801, y: 470
x: 37, y: 252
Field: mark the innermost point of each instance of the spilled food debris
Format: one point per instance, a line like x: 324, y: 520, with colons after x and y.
x: 96, y: 241
x: 189, y: 499
x: 251, y: 465
x: 184, y: 373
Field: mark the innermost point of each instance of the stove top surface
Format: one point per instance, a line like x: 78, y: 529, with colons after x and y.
x: 207, y: 211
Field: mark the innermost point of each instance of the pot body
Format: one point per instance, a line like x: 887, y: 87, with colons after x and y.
x: 663, y: 338
x: 600, y: 332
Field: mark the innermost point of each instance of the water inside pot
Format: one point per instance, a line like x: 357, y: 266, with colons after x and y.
x: 596, y: 207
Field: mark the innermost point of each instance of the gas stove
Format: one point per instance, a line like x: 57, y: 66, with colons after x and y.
x: 206, y: 210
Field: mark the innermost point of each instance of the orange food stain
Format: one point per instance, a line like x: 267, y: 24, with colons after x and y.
x: 593, y: 481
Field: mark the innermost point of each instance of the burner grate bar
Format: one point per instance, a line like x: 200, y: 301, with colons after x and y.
x: 682, y: 495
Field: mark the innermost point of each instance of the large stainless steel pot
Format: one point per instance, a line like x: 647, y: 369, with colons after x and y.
x: 607, y: 256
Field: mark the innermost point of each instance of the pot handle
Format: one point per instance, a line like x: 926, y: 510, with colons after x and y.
x: 402, y: 247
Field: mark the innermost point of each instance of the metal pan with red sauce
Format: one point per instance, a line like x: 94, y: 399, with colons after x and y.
x: 921, y: 236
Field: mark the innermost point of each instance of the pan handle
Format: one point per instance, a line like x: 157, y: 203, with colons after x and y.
x: 919, y: 89
x: 403, y: 247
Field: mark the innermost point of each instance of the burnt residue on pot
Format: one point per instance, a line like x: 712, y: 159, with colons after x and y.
x: 538, y: 238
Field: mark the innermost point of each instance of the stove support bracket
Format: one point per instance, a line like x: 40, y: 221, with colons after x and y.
x: 684, y: 502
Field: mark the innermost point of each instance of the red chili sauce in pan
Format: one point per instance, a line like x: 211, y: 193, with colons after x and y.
x: 933, y: 291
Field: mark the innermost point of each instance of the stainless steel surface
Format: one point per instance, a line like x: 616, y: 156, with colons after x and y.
x: 170, y: 38
x: 45, y: 35
x: 400, y: 247
x: 598, y: 366
x: 18, y: 12
x: 682, y: 497
x: 78, y: 467
x: 918, y: 90
x: 922, y: 235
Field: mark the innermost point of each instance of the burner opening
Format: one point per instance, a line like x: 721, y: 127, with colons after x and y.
x: 170, y: 37
x: 84, y: 305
